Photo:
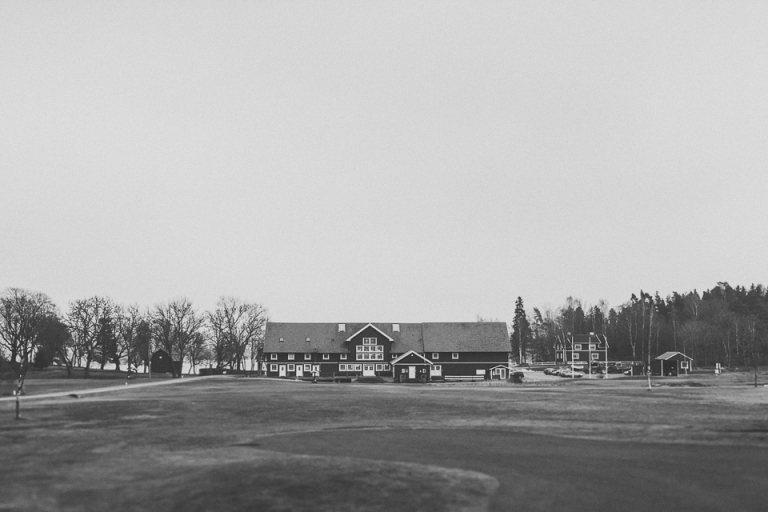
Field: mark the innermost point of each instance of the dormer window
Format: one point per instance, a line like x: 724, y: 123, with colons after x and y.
x: 282, y: 340
x: 395, y: 327
x: 342, y: 327
x: 308, y: 339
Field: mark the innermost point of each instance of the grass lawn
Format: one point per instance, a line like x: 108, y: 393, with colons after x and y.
x: 219, y: 443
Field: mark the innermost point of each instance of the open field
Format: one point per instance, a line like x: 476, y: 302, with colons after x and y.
x: 220, y: 443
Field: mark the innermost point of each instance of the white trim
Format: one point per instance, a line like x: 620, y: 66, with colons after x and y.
x: 367, y: 326
x: 671, y: 354
x: 397, y: 360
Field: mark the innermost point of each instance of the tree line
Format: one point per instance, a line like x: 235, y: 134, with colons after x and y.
x: 726, y: 325
x: 96, y: 331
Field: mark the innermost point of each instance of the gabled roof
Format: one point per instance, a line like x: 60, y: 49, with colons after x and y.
x: 367, y: 326
x: 600, y: 339
x: 326, y: 338
x: 411, y: 353
x: 466, y: 337
x: 670, y: 355
x: 419, y: 337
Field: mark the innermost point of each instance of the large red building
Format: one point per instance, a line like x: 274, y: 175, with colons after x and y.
x: 413, y: 351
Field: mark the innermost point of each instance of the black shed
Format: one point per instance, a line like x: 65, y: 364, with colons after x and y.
x: 161, y: 363
x: 671, y: 364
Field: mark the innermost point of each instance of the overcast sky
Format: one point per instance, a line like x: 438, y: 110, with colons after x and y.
x: 382, y: 161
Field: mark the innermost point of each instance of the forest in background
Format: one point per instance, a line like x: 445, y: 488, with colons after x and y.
x: 726, y: 325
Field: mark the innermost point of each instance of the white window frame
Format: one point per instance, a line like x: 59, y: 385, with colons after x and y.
x: 369, y: 341
x: 291, y: 357
x: 395, y: 327
x: 435, y: 355
x: 592, y: 346
x: 273, y: 357
x: 326, y: 357
x: 282, y: 340
x: 437, y: 367
x: 595, y: 357
x: 455, y: 355
x: 273, y: 367
x: 307, y: 367
x: 291, y: 367
x: 342, y: 367
x: 577, y: 346
x: 683, y: 365
x: 307, y: 357
x: 343, y: 357
x: 575, y: 357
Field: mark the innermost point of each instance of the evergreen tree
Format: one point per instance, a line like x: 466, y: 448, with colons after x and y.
x: 520, y: 331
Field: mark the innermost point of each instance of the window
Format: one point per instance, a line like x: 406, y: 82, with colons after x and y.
x: 393, y: 355
x: 326, y: 357
x: 369, y: 348
x: 307, y: 367
x: 437, y: 367
x: 291, y: 368
x: 577, y: 346
x: 342, y: 367
x: 308, y: 340
x: 343, y: 357
x: 370, y: 357
x: 592, y: 346
x: 379, y: 367
x: 369, y: 341
x: 575, y: 356
x: 282, y: 340
x: 435, y: 355
x: 395, y: 327
x: 291, y: 357
x: 358, y: 367
x: 684, y: 365
x: 273, y: 357
x: 273, y: 367
x: 455, y: 355
x: 342, y: 327
x: 595, y: 357
x: 307, y: 357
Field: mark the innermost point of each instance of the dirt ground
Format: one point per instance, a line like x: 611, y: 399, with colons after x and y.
x: 221, y: 443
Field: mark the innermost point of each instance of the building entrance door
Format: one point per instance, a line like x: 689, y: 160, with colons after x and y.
x: 411, y: 372
x: 282, y: 371
x: 368, y: 370
x: 299, y: 370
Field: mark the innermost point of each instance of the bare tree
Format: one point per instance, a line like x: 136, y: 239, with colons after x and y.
x: 85, y: 321
x: 22, y: 315
x: 174, y: 327
x: 237, y: 327
x: 131, y: 334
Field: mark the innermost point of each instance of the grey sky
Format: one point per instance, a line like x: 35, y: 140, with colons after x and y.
x: 373, y: 161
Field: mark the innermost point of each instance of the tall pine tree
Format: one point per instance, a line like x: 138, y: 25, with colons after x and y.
x: 520, y: 331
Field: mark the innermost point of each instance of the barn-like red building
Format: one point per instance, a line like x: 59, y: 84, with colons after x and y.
x: 434, y: 350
